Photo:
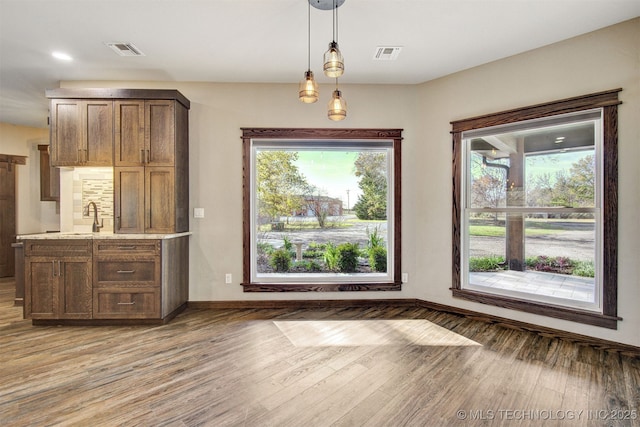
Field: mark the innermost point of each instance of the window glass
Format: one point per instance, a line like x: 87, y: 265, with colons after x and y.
x: 532, y: 210
x: 322, y: 211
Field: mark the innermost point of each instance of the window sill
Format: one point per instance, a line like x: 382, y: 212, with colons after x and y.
x: 543, y: 309
x: 321, y: 287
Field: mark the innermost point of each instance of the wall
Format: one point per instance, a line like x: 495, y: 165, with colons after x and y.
x: 606, y: 59
x: 32, y: 215
x: 597, y: 61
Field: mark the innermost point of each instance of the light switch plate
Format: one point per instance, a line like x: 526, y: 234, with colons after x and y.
x: 198, y: 212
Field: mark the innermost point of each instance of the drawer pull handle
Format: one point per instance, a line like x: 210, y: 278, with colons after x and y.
x: 127, y: 303
x: 126, y: 271
x: 126, y: 247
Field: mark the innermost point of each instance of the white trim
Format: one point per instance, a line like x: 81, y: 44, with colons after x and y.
x: 594, y: 116
x: 325, y: 145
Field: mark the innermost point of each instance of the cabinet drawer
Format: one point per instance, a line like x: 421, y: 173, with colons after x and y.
x: 58, y: 248
x: 126, y: 247
x: 139, y: 272
x: 126, y: 303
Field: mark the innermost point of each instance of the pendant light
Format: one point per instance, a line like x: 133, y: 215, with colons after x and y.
x: 333, y: 61
x: 337, y: 106
x: 308, y: 92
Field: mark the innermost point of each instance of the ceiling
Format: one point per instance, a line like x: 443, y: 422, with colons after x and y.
x: 265, y: 41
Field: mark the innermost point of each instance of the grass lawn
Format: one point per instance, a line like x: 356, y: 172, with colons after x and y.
x: 499, y: 231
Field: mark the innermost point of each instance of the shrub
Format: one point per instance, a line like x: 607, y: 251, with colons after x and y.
x: 280, y: 260
x: 550, y: 264
x: 489, y: 263
x: 378, y: 259
x: 331, y: 256
x: 375, y: 240
x: 584, y: 269
x: 348, y: 257
x: 265, y: 248
x: 314, y: 250
x: 308, y: 265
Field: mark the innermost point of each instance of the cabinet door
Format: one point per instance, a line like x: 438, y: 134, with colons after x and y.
x: 75, y: 289
x: 66, y: 132
x: 129, y: 133
x: 98, y: 133
x: 160, y: 133
x: 41, y: 290
x: 159, y: 200
x: 129, y: 199
x: 49, y: 177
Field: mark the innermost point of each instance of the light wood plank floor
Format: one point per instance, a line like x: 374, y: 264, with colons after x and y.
x: 314, y: 367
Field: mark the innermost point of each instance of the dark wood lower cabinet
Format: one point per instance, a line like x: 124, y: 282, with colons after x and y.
x: 58, y: 279
x: 106, y: 280
x: 126, y: 303
x: 126, y: 281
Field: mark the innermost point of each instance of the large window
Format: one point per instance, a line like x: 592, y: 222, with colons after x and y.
x: 321, y: 210
x: 536, y: 222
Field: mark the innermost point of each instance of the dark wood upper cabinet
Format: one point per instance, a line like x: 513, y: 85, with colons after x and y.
x: 147, y: 134
x: 160, y: 133
x: 81, y: 132
x: 128, y: 185
x: 129, y: 132
x: 49, y: 177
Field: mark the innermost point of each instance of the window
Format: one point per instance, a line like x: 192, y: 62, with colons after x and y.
x: 321, y: 209
x: 536, y: 224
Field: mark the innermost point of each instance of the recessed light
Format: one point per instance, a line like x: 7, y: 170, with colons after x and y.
x: 62, y: 56
x: 559, y: 139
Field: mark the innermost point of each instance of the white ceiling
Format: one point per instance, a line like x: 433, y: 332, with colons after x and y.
x: 266, y: 40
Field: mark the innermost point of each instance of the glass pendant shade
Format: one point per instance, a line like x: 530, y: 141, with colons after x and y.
x: 308, y: 88
x: 333, y: 61
x: 337, y: 106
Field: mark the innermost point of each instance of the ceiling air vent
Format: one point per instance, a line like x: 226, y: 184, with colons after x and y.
x: 125, y: 49
x: 386, y: 53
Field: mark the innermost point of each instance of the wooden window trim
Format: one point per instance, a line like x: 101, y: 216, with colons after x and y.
x: 314, y: 134
x: 608, y: 101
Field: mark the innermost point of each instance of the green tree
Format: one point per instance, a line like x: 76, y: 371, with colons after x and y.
x: 372, y: 171
x: 582, y: 181
x: 279, y: 183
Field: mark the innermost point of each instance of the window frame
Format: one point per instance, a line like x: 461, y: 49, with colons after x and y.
x: 606, y: 101
x: 320, y: 284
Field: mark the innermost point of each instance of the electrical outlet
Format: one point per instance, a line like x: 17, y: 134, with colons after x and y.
x: 405, y: 277
x: 198, y: 212
x: 228, y: 278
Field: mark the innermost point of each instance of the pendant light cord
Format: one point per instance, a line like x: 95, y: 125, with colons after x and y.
x: 335, y: 23
x: 309, y: 37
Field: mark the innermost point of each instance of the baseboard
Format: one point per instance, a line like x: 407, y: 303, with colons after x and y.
x: 623, y: 349
x: 302, y: 304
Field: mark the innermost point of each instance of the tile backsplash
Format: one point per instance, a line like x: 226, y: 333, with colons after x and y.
x: 92, y: 185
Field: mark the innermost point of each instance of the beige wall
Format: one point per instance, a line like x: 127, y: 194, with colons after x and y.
x: 32, y: 215
x: 606, y: 59
x: 598, y: 61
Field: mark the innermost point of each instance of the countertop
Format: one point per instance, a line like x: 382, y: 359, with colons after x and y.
x: 99, y: 236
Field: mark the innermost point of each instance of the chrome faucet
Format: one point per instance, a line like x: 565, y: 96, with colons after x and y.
x: 96, y: 226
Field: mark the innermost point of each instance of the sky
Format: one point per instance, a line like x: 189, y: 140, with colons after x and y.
x: 551, y: 163
x: 332, y: 172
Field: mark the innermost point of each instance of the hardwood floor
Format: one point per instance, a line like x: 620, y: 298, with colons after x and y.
x: 402, y: 366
